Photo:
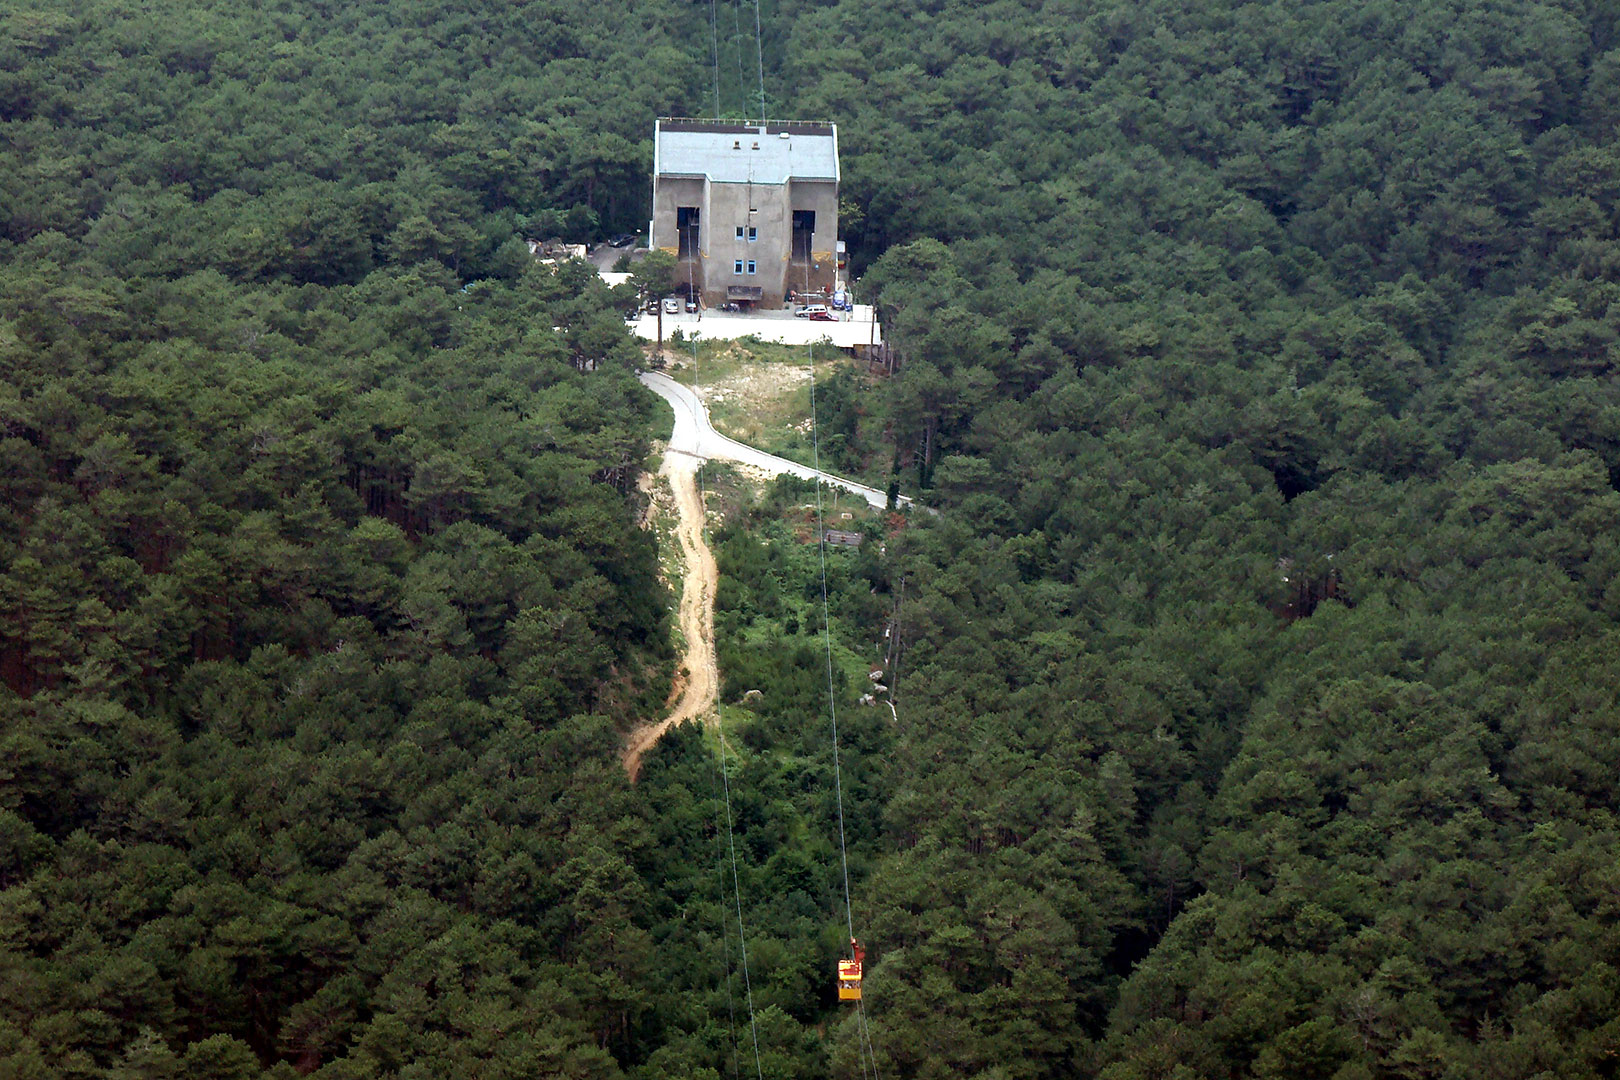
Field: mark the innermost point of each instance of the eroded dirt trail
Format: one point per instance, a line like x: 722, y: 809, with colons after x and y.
x: 695, y: 692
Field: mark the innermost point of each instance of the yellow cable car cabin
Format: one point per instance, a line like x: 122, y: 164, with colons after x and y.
x: 849, y: 974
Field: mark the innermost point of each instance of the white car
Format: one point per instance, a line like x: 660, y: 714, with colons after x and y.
x: 672, y: 305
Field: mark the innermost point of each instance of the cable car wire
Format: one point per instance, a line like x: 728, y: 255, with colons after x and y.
x: 864, y: 1040
x: 714, y: 47
x: 737, y: 40
x: 725, y: 929
x: 736, y: 887
x: 865, y: 1050
x: 720, y: 849
x: 725, y: 785
x: 759, y: 51
x: 826, y: 635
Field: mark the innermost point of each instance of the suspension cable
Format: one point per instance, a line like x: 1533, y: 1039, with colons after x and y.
x: 864, y: 1039
x: 720, y: 849
x: 737, y: 40
x: 725, y: 927
x: 714, y: 47
x: 736, y: 888
x: 703, y: 494
x: 759, y: 51
x: 826, y: 635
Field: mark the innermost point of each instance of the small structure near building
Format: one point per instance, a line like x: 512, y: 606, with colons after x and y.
x: 842, y: 538
x: 556, y: 250
x: 749, y: 210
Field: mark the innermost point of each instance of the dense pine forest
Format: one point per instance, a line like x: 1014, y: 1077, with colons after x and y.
x: 1255, y: 677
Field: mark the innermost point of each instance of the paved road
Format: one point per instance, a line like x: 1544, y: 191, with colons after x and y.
x: 696, y: 438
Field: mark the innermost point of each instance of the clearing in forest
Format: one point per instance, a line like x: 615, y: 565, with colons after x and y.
x: 698, y: 683
x: 759, y: 394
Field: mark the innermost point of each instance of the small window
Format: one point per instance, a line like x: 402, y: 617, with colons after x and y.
x: 739, y: 232
x: 750, y: 266
x: 738, y: 268
x: 753, y: 234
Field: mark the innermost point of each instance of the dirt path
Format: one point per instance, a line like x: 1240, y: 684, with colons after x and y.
x: 699, y: 682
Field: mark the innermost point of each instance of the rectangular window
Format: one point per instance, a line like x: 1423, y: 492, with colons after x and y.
x: 753, y: 234
x: 739, y: 232
x: 738, y: 268
x: 750, y: 266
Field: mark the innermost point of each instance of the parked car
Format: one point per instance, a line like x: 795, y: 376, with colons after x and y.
x: 813, y: 311
x: 672, y: 305
x: 623, y: 239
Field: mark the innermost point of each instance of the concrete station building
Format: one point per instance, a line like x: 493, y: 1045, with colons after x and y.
x: 749, y: 210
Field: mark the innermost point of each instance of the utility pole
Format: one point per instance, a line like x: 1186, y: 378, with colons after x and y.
x: 871, y: 335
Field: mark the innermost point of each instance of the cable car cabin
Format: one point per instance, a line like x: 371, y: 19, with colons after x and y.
x: 849, y: 980
x: 849, y: 974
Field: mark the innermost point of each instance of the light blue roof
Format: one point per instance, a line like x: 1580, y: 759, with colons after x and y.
x: 746, y: 154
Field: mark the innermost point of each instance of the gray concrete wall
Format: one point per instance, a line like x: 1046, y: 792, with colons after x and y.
x: 822, y: 197
x: 725, y: 207
x: 731, y: 204
x: 670, y: 193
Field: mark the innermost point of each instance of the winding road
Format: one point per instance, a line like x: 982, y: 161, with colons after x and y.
x: 693, y: 442
x: 694, y: 437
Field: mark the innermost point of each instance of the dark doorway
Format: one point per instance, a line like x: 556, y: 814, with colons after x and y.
x: 804, y: 227
x: 686, y: 226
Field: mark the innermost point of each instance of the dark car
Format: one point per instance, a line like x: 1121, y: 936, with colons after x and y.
x: 623, y: 240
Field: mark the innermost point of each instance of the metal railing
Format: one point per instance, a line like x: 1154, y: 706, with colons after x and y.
x: 746, y: 122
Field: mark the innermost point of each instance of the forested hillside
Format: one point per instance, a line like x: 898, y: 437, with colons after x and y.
x: 322, y: 600
x: 1261, y: 358
x: 1256, y: 705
